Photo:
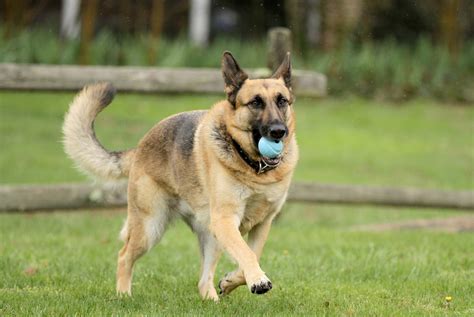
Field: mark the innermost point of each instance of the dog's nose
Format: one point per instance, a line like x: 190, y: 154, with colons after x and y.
x: 277, y: 131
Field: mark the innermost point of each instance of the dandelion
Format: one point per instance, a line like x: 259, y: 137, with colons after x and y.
x: 447, y: 302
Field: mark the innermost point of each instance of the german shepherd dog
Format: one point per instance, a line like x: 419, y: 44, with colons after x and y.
x: 203, y: 166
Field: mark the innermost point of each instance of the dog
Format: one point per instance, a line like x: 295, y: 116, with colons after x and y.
x: 202, y: 166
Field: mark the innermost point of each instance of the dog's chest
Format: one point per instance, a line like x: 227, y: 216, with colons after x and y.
x: 259, y: 206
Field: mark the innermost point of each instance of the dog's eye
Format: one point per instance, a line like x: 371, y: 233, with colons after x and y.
x: 256, y: 103
x: 282, y: 102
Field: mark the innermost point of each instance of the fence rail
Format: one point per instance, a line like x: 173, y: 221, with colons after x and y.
x: 140, y: 79
x: 73, y: 196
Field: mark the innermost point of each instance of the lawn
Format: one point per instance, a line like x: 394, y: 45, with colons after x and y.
x: 64, y: 264
x: 420, y: 143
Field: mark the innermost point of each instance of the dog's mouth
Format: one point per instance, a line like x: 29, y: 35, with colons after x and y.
x: 256, y: 136
x: 271, y: 162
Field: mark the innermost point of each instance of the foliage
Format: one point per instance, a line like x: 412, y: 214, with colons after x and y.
x: 383, y: 69
x: 388, y: 69
x: 350, y: 140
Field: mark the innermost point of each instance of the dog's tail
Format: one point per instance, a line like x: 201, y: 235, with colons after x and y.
x: 80, y: 142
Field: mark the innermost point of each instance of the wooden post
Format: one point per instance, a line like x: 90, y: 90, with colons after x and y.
x: 279, y: 43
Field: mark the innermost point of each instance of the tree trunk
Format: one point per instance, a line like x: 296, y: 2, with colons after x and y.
x: 70, y: 18
x: 297, y: 16
x: 156, y: 23
x: 340, y: 19
x: 88, y: 18
x: 199, y: 22
x: 13, y: 16
x: 449, y: 25
x: 279, y: 43
x: 313, y: 23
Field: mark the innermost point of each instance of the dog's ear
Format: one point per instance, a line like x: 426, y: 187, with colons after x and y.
x: 234, y: 76
x: 284, y: 71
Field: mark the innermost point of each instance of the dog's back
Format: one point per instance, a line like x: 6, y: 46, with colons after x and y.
x: 166, y: 152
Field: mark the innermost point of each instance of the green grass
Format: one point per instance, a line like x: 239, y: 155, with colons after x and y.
x: 64, y: 264
x: 418, y: 143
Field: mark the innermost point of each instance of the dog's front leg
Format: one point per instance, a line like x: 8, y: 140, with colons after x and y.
x: 256, y: 241
x: 225, y: 226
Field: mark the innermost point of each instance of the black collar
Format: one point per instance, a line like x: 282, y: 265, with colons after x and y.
x: 258, y: 166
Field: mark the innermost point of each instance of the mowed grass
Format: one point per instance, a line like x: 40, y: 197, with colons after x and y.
x: 420, y: 143
x: 64, y: 264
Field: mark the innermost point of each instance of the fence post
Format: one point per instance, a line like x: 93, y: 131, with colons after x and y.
x: 279, y: 43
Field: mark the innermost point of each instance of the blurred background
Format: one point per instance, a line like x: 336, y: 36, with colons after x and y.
x: 389, y: 84
x: 394, y: 49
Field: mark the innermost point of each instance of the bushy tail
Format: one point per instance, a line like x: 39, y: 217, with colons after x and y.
x: 80, y: 142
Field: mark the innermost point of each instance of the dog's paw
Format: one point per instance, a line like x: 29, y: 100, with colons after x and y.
x: 262, y: 286
x: 230, y: 282
x: 124, y: 287
x: 124, y: 293
x: 210, y: 296
x: 226, y: 286
x: 208, y: 292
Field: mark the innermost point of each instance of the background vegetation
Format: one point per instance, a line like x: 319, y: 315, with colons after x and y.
x: 390, y: 49
x: 386, y: 70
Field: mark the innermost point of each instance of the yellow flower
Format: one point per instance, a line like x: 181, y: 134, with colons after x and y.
x: 448, y: 298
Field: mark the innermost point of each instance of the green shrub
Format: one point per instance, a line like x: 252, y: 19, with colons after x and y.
x: 372, y: 69
x: 393, y: 71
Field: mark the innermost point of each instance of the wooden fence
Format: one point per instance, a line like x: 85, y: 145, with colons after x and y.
x: 140, y: 79
x: 73, y: 196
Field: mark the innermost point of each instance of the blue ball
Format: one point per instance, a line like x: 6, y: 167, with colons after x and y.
x: 270, y: 148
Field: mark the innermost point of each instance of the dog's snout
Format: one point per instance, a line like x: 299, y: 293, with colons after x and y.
x: 277, y: 131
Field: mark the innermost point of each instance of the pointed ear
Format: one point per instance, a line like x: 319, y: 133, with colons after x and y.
x: 234, y: 76
x: 284, y: 71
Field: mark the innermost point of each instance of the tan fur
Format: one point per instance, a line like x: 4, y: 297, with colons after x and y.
x: 80, y: 142
x: 205, y: 181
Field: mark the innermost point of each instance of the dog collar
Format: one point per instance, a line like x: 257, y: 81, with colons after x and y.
x: 260, y: 166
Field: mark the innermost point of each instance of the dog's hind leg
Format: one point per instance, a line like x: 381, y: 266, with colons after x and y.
x: 148, y: 216
x: 135, y: 246
x: 210, y: 254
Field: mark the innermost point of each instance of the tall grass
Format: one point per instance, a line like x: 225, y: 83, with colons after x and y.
x: 383, y: 69
x: 44, y: 46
